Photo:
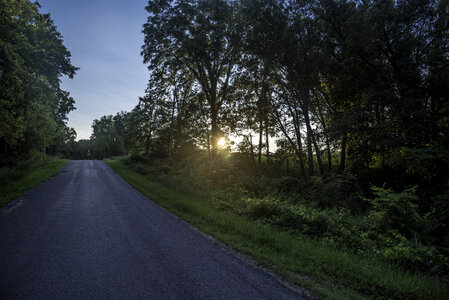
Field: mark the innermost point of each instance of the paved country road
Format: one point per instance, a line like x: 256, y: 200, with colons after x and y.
x: 87, y: 234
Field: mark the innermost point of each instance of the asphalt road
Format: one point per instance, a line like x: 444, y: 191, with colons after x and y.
x: 87, y: 234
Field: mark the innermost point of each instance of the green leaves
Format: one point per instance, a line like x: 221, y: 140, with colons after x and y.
x: 397, y: 211
x: 199, y: 38
x: 33, y: 58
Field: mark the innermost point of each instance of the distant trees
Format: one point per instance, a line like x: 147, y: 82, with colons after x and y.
x: 111, y: 135
x: 33, y: 108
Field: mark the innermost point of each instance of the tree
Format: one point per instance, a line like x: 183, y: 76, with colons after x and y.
x: 378, y: 78
x: 201, y: 36
x: 263, y: 20
x: 32, y: 60
x: 105, y: 138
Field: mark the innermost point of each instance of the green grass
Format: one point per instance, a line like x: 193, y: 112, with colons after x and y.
x: 324, y: 271
x: 14, y: 189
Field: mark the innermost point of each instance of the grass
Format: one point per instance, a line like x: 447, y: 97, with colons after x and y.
x: 325, y: 271
x: 14, y: 189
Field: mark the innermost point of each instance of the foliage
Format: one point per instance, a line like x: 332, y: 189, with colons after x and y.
x: 355, y: 93
x: 27, y: 174
x: 200, y: 38
x: 325, y: 269
x: 398, y: 211
x: 33, y: 107
x: 339, y: 190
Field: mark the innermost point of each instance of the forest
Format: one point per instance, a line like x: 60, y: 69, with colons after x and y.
x: 328, y: 119
x: 33, y: 107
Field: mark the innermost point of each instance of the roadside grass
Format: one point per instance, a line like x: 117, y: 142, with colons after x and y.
x: 325, y: 271
x: 11, y: 190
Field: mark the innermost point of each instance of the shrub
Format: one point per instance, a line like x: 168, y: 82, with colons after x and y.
x: 398, y: 231
x: 303, y: 217
x: 137, y: 158
x: 289, y: 184
x: 398, y: 211
x: 340, y: 190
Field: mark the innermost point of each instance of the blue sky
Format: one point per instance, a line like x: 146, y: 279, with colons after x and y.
x: 105, y: 40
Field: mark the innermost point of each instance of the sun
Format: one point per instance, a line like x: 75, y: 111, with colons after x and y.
x: 221, y: 142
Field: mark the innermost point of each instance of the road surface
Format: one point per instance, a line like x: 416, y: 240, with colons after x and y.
x: 87, y: 234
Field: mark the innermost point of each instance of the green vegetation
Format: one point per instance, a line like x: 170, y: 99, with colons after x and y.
x: 312, y: 134
x: 26, y: 175
x: 293, y: 240
x: 33, y: 107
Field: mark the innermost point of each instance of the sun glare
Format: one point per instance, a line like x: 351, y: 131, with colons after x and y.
x: 221, y: 142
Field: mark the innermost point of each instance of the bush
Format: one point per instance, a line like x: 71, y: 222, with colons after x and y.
x: 399, y: 233
x: 19, y: 169
x: 137, y: 158
x: 335, y: 225
x: 398, y: 211
x: 289, y: 184
x: 440, y: 215
x: 342, y: 190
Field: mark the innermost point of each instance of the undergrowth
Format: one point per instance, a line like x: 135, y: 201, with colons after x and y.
x: 16, y: 180
x: 343, y: 244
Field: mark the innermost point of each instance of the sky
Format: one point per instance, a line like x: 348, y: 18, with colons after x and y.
x: 105, y: 39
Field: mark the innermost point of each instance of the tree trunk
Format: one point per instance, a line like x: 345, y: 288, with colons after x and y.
x: 304, y: 103
x: 214, y: 131
x: 297, y: 147
x: 263, y: 114
x: 250, y: 139
x: 309, y: 143
x: 148, y: 142
x: 208, y: 144
x: 298, y: 134
x: 343, y: 153
x: 299, y: 153
x: 267, y: 142
x: 259, y: 160
x: 318, y: 155
x: 172, y: 121
x: 329, y: 155
x: 147, y: 146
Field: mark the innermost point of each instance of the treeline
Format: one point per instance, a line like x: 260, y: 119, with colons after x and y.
x: 343, y: 85
x: 365, y: 79
x: 33, y: 107
x: 111, y: 136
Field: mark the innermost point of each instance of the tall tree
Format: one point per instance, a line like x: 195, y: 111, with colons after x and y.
x: 201, y: 36
x: 33, y: 58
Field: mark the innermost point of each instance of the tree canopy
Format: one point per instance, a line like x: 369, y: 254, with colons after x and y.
x: 33, y: 58
x: 366, y: 80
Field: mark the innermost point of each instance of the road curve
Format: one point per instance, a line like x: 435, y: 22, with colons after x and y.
x: 87, y: 234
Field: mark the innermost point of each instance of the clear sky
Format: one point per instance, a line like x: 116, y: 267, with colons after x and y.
x: 105, y: 39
